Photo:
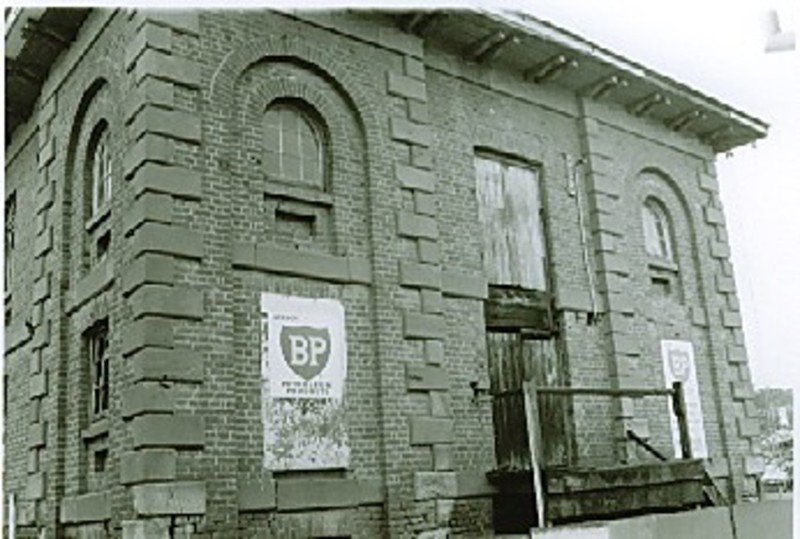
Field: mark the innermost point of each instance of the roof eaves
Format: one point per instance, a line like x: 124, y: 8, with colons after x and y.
x: 564, y: 38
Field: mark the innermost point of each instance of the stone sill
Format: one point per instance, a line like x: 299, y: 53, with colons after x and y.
x: 658, y: 264
x: 283, y: 260
x: 97, y: 429
x: 102, y: 214
x: 273, y: 188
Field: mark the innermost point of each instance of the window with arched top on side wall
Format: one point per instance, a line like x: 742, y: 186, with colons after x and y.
x: 100, y: 164
x: 657, y: 230
x: 98, y: 171
x: 659, y: 244
x: 295, y: 145
x: 98, y: 180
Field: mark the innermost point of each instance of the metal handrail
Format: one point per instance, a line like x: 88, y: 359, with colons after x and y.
x: 649, y: 448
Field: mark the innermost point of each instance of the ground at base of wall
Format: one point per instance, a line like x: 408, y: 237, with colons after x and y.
x: 751, y: 520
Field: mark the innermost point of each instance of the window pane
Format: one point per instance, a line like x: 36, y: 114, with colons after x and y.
x: 97, y: 345
x: 651, y: 243
x: 101, y: 173
x: 272, y: 164
x: 291, y: 167
x: 312, y: 164
x: 272, y: 138
x: 657, y: 232
x: 272, y: 119
x: 292, y: 146
x: 291, y: 140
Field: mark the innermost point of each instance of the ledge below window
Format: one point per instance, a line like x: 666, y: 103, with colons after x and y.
x: 97, y: 429
x: 303, y: 194
x: 660, y: 264
x: 274, y: 259
x: 102, y: 213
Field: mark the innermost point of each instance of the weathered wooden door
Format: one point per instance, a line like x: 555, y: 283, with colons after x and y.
x: 520, y: 330
x: 513, y: 359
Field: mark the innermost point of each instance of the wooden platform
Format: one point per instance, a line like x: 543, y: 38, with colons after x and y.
x: 575, y: 495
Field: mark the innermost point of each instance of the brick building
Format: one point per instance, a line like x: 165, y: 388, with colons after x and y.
x: 461, y: 193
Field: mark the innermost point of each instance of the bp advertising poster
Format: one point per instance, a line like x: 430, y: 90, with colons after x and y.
x: 679, y: 366
x: 304, y: 371
x: 306, y: 347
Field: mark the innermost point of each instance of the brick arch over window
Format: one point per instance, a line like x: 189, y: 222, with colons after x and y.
x: 675, y: 190
x: 319, y: 109
x: 96, y: 111
x: 107, y: 79
x: 227, y: 104
x: 98, y: 133
x: 331, y: 223
x: 654, y: 184
x: 324, y: 62
x: 98, y: 104
x: 655, y: 180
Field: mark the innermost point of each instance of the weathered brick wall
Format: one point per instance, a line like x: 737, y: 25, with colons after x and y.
x: 195, y: 241
x: 251, y: 60
x: 651, y: 160
x: 19, y: 173
x: 498, y: 113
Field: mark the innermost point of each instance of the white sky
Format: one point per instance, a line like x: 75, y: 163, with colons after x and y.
x: 718, y: 48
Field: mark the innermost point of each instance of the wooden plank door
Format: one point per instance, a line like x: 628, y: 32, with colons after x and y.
x: 507, y: 372
x: 514, y: 360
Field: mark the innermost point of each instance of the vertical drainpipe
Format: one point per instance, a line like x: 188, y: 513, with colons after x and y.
x: 12, y: 516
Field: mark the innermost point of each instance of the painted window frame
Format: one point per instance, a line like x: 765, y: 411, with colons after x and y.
x: 100, y: 171
x: 96, y: 339
x: 658, y: 236
x: 10, y: 241
x: 310, y: 127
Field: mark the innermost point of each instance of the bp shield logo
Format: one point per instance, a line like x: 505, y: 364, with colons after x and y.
x: 305, y: 349
x: 679, y: 365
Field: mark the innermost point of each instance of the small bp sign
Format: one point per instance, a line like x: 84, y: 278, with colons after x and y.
x: 677, y: 358
x: 306, y: 349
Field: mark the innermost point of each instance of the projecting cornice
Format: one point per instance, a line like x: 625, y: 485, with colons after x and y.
x: 545, y: 54
x: 35, y: 37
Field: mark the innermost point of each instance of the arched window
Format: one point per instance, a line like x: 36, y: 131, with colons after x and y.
x: 99, y: 170
x: 294, y: 145
x: 98, y: 174
x: 657, y: 230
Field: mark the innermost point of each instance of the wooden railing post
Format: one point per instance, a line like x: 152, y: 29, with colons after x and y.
x: 679, y: 406
x: 534, y: 444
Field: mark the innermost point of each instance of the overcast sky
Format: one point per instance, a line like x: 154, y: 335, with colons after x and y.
x: 718, y: 47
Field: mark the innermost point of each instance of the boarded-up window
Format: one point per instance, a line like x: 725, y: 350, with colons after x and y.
x: 510, y: 214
